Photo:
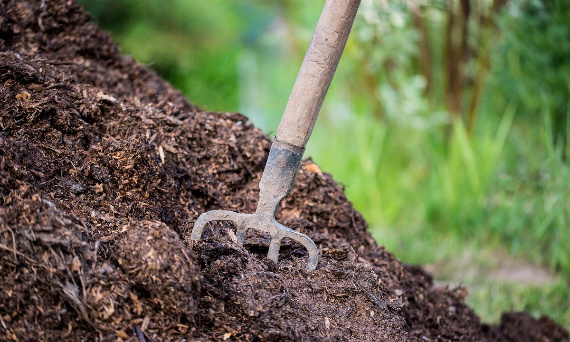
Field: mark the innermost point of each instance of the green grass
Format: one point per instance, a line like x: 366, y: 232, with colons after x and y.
x: 490, y: 299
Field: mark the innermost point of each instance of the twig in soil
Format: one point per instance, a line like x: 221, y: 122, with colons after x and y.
x: 380, y: 304
x: 139, y: 333
x: 13, y: 240
x: 51, y: 148
x: 186, y: 256
x: 6, y: 248
x: 3, y: 323
x: 60, y: 85
x: 74, y: 168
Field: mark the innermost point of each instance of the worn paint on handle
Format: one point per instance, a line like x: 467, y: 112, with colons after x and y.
x: 317, y: 71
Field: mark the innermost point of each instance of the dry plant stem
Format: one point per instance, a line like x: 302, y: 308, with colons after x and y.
x: 13, y: 251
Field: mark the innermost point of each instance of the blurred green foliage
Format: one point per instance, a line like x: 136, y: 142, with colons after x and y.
x: 533, y: 65
x: 193, y: 44
x: 432, y: 188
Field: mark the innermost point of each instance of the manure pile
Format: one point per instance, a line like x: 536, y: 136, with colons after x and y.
x: 103, y: 170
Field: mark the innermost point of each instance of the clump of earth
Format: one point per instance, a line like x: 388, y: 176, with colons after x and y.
x: 104, y: 169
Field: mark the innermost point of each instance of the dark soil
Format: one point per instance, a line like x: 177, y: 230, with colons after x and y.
x: 103, y: 170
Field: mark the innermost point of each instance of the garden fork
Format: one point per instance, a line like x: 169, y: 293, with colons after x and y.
x: 309, y: 91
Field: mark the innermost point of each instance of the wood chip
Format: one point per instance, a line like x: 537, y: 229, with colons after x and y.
x: 122, y: 335
x: 161, y: 153
x: 314, y: 168
x: 105, y: 97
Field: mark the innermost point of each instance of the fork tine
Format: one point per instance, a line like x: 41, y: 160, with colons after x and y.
x: 274, y: 246
x: 215, y: 215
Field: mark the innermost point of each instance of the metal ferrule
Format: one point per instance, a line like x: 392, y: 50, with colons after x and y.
x: 279, y: 175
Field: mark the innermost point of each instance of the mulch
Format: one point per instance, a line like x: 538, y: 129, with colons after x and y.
x: 104, y: 168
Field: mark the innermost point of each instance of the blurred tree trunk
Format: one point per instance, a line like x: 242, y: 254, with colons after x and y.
x: 467, y: 21
x: 456, y: 54
x: 487, y: 24
x: 425, y: 58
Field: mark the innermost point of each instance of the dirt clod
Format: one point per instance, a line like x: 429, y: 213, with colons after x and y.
x: 161, y: 266
x: 104, y: 168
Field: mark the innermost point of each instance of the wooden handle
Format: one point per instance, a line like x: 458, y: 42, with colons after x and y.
x: 317, y: 71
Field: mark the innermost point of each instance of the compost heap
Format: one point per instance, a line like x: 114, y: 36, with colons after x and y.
x: 104, y: 168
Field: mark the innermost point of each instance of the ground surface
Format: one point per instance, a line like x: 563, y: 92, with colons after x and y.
x: 103, y: 170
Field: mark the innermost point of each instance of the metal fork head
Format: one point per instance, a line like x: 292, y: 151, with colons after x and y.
x: 276, y: 183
